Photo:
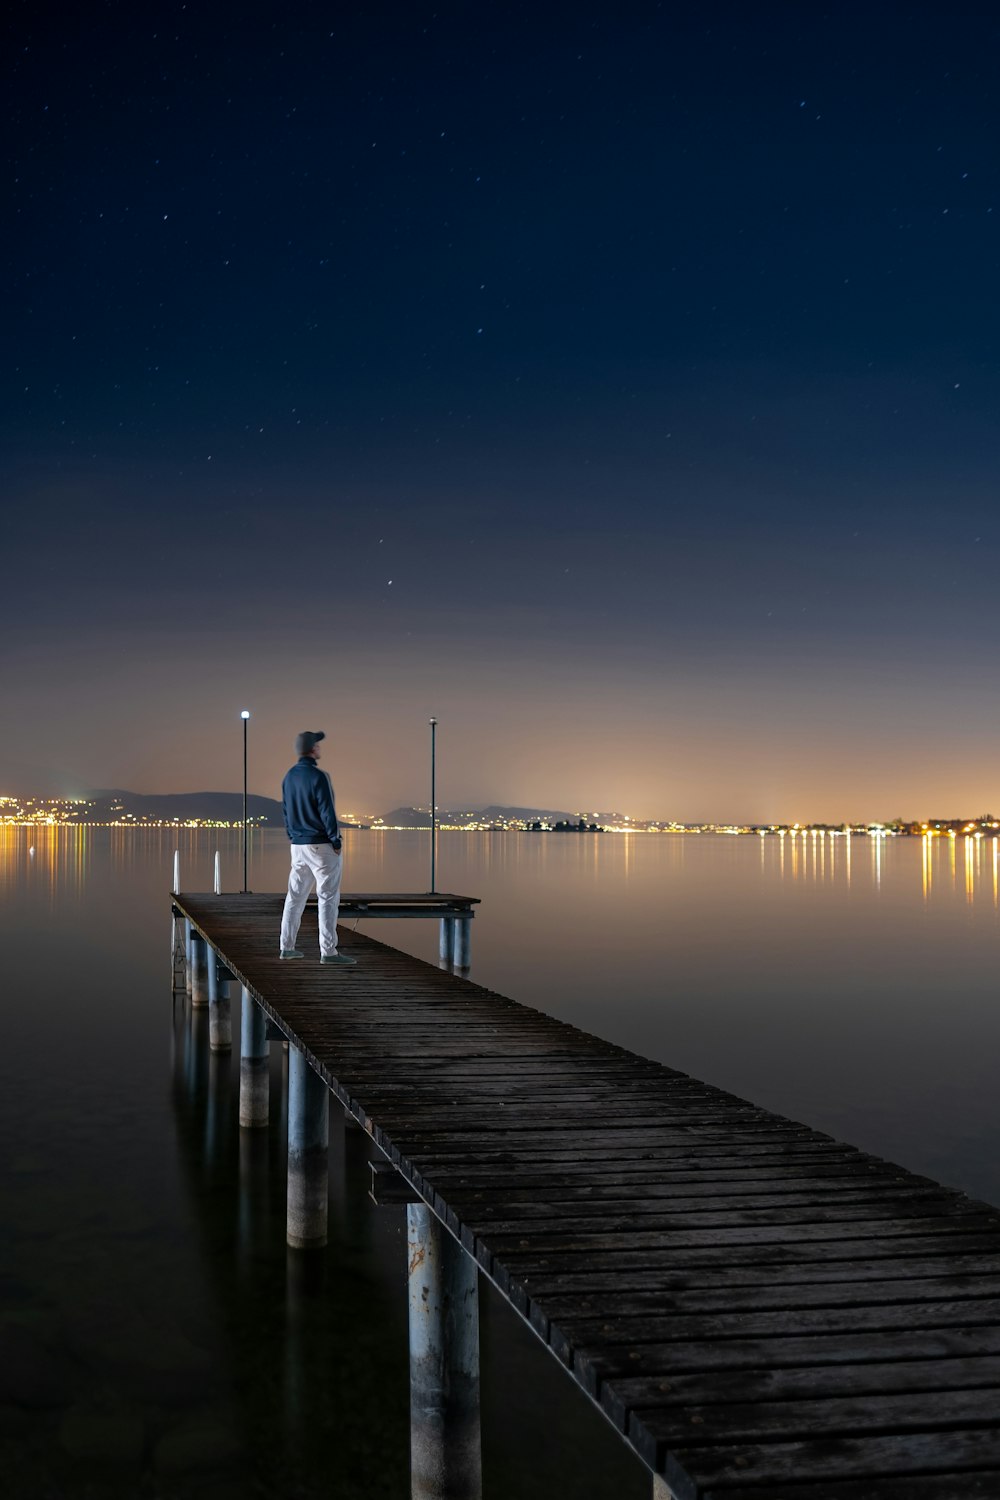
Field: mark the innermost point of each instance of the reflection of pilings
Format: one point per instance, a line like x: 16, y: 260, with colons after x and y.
x: 182, y: 1046
x: 220, y: 1028
x: 253, y: 1206
x: 253, y: 1063
x: 305, y: 1287
x: 308, y: 1142
x: 195, y: 1055
x: 216, y: 1111
x: 462, y: 954
x: 198, y: 969
x: 445, y: 1459
x: 446, y: 942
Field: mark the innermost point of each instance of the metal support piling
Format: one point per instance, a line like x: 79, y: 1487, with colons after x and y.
x: 188, y: 966
x: 254, y: 1059
x: 446, y: 942
x: 445, y: 1449
x: 462, y: 943
x: 178, y: 956
x: 220, y: 1026
x: 199, y: 970
x: 308, y: 1162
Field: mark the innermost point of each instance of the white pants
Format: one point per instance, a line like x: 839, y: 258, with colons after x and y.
x: 319, y: 864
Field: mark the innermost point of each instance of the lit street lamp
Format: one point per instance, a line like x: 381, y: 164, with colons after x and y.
x: 244, y: 715
x: 433, y: 724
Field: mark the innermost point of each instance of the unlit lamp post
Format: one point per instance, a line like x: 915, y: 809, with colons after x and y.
x: 433, y: 724
x: 245, y: 715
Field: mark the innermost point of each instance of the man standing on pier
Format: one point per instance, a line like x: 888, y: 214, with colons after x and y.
x: 311, y: 824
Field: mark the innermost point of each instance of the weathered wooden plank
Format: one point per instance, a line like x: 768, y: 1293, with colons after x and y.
x: 981, y: 1485
x: 735, y: 1293
x: 646, y: 1198
x: 814, y: 1235
x: 639, y: 1397
x: 941, y: 1452
x: 605, y: 1362
x: 698, y: 1251
x: 651, y: 1216
x: 719, y: 1174
x: 654, y: 1433
x: 798, y: 1322
x: 678, y: 1145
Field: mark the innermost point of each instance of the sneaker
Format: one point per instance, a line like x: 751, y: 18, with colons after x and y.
x: 292, y: 953
x: 341, y: 959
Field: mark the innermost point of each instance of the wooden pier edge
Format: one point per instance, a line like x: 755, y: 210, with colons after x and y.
x: 759, y: 1309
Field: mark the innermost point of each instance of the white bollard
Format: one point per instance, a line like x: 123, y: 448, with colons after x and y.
x: 218, y: 874
x: 177, y: 872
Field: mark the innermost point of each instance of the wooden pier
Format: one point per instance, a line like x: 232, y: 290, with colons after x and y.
x: 763, y: 1312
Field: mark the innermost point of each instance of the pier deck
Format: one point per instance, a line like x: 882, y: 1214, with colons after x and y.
x: 764, y: 1312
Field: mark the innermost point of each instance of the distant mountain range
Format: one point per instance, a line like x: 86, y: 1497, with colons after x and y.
x: 220, y: 807
x: 227, y: 807
x: 416, y: 817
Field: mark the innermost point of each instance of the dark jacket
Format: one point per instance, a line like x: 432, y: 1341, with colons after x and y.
x: 307, y: 803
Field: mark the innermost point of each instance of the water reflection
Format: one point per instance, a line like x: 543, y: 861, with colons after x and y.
x: 142, y: 1254
x: 291, y: 1322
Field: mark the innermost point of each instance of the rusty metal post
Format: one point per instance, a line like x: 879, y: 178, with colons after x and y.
x: 254, y: 1061
x: 445, y: 1452
x: 308, y: 1159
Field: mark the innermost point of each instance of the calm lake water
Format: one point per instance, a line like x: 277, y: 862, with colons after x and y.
x: 157, y: 1339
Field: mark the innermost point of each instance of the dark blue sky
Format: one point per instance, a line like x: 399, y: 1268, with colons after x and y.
x: 649, y: 351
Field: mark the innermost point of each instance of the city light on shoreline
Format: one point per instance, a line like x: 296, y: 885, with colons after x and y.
x: 79, y: 812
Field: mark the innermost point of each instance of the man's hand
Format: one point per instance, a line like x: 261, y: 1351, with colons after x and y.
x: 338, y: 844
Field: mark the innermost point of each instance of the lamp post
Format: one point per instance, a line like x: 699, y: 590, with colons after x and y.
x: 433, y: 724
x: 245, y: 715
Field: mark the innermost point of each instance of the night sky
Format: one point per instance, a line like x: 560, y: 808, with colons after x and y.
x: 618, y: 383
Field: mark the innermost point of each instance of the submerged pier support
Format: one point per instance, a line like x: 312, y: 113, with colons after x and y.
x: 308, y: 1164
x: 455, y: 942
x: 462, y: 946
x: 254, y: 1058
x: 445, y: 1449
x: 446, y: 942
x: 178, y: 955
x: 220, y: 1026
x: 198, y: 970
